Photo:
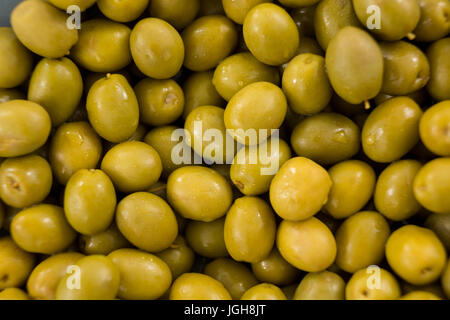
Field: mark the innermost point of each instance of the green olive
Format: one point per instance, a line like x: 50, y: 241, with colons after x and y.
x: 237, y: 10
x: 416, y: 254
x: 113, y: 108
x: 298, y: 3
x: 208, y: 201
x: 74, y: 146
x: 234, y: 276
x: 354, y: 62
x: 56, y: 84
x: 89, y: 201
x: 378, y: 284
x: 42, y: 229
x: 24, y: 127
x: 264, y: 291
x: 406, y: 68
x: 179, y: 257
x: 42, y: 28
x: 197, y: 286
x: 13, y: 294
x: 46, y: 275
x: 122, y: 11
x: 299, y: 189
x: 15, y: 264
x: 99, y: 279
x: 434, y: 128
x: 208, y: 40
x: 274, y: 269
x: 64, y: 4
x: 307, y: 245
x: 103, y: 46
x: 323, y: 285
x: 306, y: 84
x: 16, y: 61
x: 304, y: 19
x: 103, y: 243
x: 249, y: 229
x: 270, y: 34
x: 440, y: 224
x: 243, y: 119
x: 353, y: 186
x: 179, y: 13
x: 419, y: 295
x: 391, y: 130
x: 25, y: 181
x: 434, y: 23
x: 157, y: 48
x: 431, y: 185
x: 207, y: 238
x: 143, y: 276
x: 132, y: 166
x: 161, y: 102
x: 240, y: 70
x: 437, y: 53
x: 394, y: 196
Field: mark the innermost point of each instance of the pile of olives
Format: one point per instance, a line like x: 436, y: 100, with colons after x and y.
x: 94, y: 206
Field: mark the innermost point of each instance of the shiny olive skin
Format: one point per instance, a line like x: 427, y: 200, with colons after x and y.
x: 314, y: 248
x: 267, y: 28
x: 207, y: 238
x: 330, y: 16
x: 406, y: 68
x: 15, y: 264
x: 360, y: 241
x: 157, y: 48
x: 431, y: 185
x: 103, y: 243
x: 147, y: 221
x: 419, y: 295
x: 208, y: 201
x: 437, y: 54
x: 42, y: 28
x: 179, y: 257
x: 16, y: 62
x: 132, y: 166
x: 99, y: 280
x: 89, y: 201
x: 264, y: 291
x: 143, y: 276
x: 434, y: 128
x: 416, y: 254
x: 24, y: 127
x: 254, y: 177
x: 241, y: 114
x: 199, y: 91
x: 445, y: 280
x: 353, y: 186
x: 179, y: 13
x: 309, y: 45
x: 238, y: 10
x: 197, y: 286
x: 323, y: 285
x: 103, y: 46
x: 391, y: 130
x: 25, y: 181
x: 161, y: 102
x: 274, y: 269
x: 434, y: 23
x: 249, y: 229
x: 74, y: 146
x: 11, y: 94
x: 398, y: 17
x: 42, y: 229
x: 64, y: 4
x: 208, y: 40
x: 354, y: 62
x: 160, y: 139
x: 234, y: 276
x: 304, y: 19
x: 299, y: 189
x: 359, y: 287
x: 306, y: 84
x: 122, y: 11
x: 13, y: 294
x: 46, y: 275
x: 326, y: 138
x: 440, y: 224
x: 113, y: 108
x: 240, y: 70
x: 56, y: 84
x: 394, y: 196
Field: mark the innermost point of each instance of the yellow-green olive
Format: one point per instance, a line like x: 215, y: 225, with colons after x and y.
x: 197, y: 286
x: 323, y: 285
